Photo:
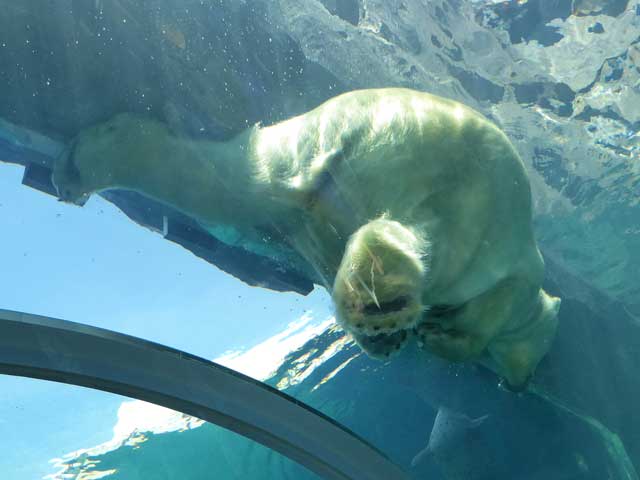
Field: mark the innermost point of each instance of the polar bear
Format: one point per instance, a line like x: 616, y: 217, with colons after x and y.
x: 414, y: 211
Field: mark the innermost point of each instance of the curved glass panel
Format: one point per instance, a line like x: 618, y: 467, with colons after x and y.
x: 418, y: 218
x: 51, y: 349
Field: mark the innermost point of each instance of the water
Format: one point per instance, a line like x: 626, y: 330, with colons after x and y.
x: 401, y: 400
x: 559, y: 78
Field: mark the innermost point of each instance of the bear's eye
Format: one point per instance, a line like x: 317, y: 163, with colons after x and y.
x: 394, y: 305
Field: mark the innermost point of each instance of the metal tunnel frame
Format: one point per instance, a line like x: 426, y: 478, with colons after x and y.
x: 50, y: 349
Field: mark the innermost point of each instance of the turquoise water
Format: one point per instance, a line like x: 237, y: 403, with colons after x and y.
x: 393, y: 406
x: 559, y: 78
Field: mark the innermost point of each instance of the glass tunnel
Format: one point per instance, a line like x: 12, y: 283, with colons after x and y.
x: 304, y: 239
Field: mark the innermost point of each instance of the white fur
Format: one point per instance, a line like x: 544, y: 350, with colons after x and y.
x: 394, y: 200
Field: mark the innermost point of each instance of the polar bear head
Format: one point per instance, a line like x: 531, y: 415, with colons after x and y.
x: 378, y: 288
x: 105, y: 156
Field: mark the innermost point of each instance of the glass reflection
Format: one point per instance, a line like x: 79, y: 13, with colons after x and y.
x: 64, y: 432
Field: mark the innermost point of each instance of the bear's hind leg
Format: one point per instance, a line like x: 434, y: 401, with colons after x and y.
x: 517, y: 353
